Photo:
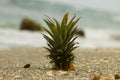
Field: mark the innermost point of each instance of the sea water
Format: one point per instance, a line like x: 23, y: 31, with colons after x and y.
x: 101, y: 25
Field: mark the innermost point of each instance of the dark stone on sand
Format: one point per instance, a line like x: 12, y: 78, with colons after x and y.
x: 80, y: 33
x: 26, y: 66
x: 117, y: 76
x: 31, y: 25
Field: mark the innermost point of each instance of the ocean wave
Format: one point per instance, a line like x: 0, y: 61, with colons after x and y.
x: 18, y: 38
x: 15, y: 38
x: 13, y: 11
x: 101, y: 27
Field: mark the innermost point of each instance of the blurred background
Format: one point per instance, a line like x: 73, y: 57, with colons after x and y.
x: 100, y: 21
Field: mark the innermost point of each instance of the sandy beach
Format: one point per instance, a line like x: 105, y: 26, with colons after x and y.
x: 88, y: 62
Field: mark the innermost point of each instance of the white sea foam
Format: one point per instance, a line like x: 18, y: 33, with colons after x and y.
x: 16, y: 38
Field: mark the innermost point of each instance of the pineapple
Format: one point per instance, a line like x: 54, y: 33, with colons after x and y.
x: 61, y: 41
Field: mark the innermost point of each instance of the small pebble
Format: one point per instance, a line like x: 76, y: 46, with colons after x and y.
x: 18, y: 77
x: 50, y: 73
x: 63, y: 72
x: 1, y: 78
x: 27, y: 66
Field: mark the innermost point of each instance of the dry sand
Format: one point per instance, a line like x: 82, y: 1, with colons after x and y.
x: 88, y: 62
